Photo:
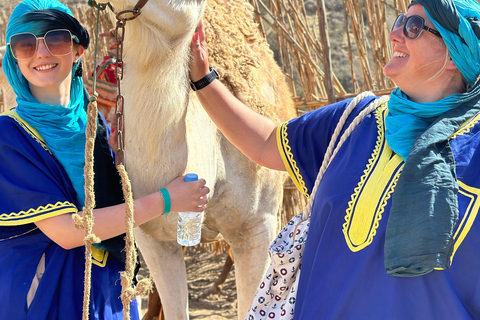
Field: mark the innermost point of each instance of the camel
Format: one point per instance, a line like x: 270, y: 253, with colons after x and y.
x: 8, y: 94
x: 168, y: 134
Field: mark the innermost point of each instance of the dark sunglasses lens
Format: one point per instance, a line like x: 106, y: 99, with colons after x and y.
x: 413, y: 27
x: 23, y: 45
x: 399, y: 22
x: 59, y: 42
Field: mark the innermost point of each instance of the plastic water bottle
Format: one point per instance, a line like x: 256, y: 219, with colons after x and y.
x: 189, y: 227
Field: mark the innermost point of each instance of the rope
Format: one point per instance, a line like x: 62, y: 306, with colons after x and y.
x: 332, y: 150
x: 128, y: 290
x: 86, y: 222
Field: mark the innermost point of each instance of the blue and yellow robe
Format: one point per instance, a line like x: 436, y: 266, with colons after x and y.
x: 343, y: 274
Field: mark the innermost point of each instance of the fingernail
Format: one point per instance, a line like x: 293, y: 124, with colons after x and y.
x: 195, y: 36
x: 113, y: 129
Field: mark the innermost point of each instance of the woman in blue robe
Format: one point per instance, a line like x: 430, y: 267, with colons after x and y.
x: 42, y: 156
x: 394, y: 229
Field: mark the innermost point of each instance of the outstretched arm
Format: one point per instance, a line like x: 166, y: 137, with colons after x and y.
x: 110, y: 221
x: 253, y: 134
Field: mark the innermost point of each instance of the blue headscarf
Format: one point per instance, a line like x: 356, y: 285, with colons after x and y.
x: 62, y: 128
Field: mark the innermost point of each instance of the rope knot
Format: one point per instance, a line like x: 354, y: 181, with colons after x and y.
x: 143, y: 286
x: 91, y: 238
x: 79, y: 221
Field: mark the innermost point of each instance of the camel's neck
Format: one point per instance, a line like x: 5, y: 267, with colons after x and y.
x: 157, y: 69
x: 8, y: 94
x: 155, y: 87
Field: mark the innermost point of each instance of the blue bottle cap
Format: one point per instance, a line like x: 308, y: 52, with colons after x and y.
x: 191, y: 177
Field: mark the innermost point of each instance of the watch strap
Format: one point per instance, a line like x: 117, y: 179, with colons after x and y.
x: 205, y: 81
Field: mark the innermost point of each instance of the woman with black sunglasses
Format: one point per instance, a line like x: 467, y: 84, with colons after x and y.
x: 42, y: 143
x: 394, y: 230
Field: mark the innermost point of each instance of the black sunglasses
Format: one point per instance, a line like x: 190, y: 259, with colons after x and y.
x: 413, y: 26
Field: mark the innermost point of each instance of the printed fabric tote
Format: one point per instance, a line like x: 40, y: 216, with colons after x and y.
x: 275, y: 298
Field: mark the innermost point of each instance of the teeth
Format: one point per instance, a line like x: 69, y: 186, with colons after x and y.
x: 46, y: 67
x: 399, y: 54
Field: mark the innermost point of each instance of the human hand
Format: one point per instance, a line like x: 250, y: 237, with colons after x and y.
x: 112, y: 140
x: 199, y: 66
x: 188, y: 196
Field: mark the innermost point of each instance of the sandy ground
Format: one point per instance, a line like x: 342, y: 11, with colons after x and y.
x: 203, y: 268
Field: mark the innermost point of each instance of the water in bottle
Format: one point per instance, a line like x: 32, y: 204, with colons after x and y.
x: 189, y: 227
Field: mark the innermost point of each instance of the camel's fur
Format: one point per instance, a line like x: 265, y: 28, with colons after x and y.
x: 7, y: 91
x: 168, y: 133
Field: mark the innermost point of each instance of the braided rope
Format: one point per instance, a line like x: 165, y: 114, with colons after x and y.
x: 86, y: 222
x: 128, y: 291
x: 332, y: 150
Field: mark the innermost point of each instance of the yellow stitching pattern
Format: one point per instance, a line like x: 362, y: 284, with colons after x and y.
x: 470, y: 214
x: 359, y: 230
x: 30, y: 130
x: 287, y: 158
x: 469, y: 217
x: 467, y: 126
x: 37, y: 214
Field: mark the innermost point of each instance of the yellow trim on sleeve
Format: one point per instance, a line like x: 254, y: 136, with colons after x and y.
x: 37, y: 214
x: 287, y: 158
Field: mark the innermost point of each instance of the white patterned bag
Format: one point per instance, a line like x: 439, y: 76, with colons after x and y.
x: 275, y: 298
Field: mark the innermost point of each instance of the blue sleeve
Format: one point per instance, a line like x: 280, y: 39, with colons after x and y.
x: 303, y: 141
x: 33, y: 184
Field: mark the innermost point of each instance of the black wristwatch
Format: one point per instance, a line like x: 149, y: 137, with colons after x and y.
x: 205, y: 81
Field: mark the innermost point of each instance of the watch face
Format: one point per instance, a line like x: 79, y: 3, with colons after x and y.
x: 215, y: 73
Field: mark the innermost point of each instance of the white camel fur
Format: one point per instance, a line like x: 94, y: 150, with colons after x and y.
x: 8, y: 94
x: 168, y: 134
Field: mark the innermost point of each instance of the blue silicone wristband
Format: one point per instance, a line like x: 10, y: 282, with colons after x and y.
x: 167, y: 203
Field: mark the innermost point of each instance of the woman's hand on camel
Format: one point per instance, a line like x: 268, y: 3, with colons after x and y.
x: 199, y: 66
x: 188, y: 196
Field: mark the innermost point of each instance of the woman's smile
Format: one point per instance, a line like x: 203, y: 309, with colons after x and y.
x: 45, y: 67
x: 400, y: 54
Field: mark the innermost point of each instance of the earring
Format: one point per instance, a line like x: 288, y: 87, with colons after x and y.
x: 79, y: 71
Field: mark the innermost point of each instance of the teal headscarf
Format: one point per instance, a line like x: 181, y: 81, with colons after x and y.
x: 424, y: 213
x: 62, y: 128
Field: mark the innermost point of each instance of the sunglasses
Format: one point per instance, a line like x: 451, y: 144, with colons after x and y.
x: 413, y: 26
x: 25, y: 45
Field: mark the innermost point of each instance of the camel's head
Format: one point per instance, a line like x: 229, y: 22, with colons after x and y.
x: 173, y: 18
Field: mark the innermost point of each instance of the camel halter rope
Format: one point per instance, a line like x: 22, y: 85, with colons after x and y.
x: 86, y: 222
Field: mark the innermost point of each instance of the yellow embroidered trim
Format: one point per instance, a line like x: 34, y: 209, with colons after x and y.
x: 471, y: 213
x: 467, y: 126
x: 40, y: 213
x: 287, y: 158
x: 30, y: 130
x: 368, y: 201
x: 99, y: 257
